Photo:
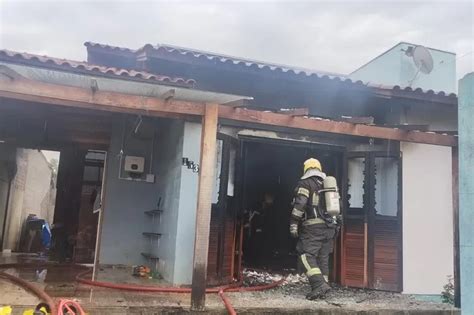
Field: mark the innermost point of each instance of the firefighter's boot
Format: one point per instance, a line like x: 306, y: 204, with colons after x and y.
x: 319, y: 287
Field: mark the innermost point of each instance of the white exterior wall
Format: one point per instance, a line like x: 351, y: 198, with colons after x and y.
x: 39, y: 195
x: 427, y: 218
x: 31, y: 193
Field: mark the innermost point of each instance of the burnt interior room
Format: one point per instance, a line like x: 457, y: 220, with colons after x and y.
x: 271, y: 170
x: 80, y: 137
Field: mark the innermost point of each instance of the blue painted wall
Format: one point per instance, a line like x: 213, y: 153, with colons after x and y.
x: 466, y: 191
x: 186, y: 225
x: 394, y: 67
x: 169, y: 170
x: 187, y: 206
x: 125, y: 201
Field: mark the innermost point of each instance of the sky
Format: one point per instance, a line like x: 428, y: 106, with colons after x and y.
x: 335, y: 36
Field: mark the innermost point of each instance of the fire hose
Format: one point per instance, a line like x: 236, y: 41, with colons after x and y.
x: 235, y: 287
x: 33, y: 289
x: 72, y: 307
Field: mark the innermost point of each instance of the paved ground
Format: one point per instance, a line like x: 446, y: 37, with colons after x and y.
x: 287, y: 299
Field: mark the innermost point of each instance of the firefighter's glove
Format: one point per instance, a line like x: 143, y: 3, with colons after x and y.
x: 294, y: 230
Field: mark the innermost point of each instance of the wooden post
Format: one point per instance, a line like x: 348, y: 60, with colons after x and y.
x: 204, y: 203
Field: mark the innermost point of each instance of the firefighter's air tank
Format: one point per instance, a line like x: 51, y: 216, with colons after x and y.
x: 331, y: 195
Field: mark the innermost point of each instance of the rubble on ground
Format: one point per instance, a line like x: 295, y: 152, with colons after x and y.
x: 255, y: 278
x: 261, y: 277
x: 296, y: 286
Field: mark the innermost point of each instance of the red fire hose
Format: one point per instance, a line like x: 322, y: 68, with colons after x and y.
x: 71, y: 307
x: 33, y: 289
x: 64, y: 304
x: 227, y: 303
x: 235, y: 287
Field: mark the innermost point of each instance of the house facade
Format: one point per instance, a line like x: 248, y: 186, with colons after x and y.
x: 390, y: 148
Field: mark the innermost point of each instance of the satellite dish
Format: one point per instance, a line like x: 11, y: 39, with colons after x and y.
x: 422, y: 59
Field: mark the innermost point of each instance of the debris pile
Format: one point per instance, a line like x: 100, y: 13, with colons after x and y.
x: 297, y: 279
x: 296, y: 286
x: 141, y: 271
x: 260, y: 277
x: 254, y: 278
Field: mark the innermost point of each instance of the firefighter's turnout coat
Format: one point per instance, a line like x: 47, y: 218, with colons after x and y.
x: 315, y: 230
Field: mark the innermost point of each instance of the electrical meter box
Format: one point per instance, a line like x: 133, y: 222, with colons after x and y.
x: 134, y: 164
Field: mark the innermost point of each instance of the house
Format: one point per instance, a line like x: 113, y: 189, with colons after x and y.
x: 174, y: 194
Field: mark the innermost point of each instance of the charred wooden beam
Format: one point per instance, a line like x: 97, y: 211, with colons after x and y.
x: 446, y: 132
x: 39, y: 92
x: 238, y: 103
x: 294, y: 111
x: 336, y: 127
x: 409, y: 127
x: 358, y: 120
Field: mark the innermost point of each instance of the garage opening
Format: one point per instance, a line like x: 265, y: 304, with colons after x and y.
x: 48, y: 202
x: 271, y: 170
x: 51, y: 172
x: 27, y: 199
x: 80, y: 181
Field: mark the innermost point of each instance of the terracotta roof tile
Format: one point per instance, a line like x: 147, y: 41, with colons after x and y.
x: 84, y: 67
x: 224, y: 59
x: 263, y: 66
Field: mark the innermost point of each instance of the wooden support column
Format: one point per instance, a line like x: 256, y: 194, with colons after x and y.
x: 204, y: 203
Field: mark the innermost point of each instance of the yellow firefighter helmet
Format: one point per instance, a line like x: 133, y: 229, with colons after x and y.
x: 312, y: 163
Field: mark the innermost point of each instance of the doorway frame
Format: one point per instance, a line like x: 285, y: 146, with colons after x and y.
x: 336, y: 270
x: 370, y: 213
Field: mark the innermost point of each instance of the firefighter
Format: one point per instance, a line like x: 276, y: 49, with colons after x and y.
x: 314, y: 228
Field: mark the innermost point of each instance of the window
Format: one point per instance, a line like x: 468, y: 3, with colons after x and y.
x: 355, y: 177
x: 217, y: 173
x: 386, y: 186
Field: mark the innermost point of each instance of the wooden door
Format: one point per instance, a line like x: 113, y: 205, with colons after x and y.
x: 355, y: 229
x: 372, y: 234
x: 222, y: 234
x: 385, y: 229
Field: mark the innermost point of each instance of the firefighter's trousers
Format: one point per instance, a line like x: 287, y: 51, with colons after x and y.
x: 315, y: 244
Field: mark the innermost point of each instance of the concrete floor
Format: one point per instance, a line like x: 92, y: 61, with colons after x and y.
x: 59, y: 283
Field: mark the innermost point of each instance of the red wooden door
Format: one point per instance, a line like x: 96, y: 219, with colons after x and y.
x: 372, y: 234
x: 354, y: 231
x: 223, y: 226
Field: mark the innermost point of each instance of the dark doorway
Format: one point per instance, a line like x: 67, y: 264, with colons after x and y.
x: 27, y: 198
x: 48, y: 201
x: 271, y: 169
x: 79, y: 197
x: 81, y: 136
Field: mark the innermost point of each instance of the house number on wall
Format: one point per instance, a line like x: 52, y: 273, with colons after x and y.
x: 191, y: 165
